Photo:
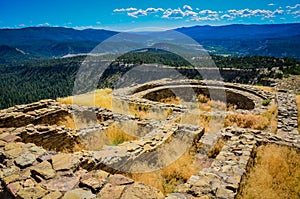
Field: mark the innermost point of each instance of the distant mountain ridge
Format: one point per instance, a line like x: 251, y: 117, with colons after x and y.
x: 53, y: 41
x: 278, y: 40
x: 242, y: 31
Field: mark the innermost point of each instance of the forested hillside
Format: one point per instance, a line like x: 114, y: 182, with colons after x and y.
x: 30, y: 81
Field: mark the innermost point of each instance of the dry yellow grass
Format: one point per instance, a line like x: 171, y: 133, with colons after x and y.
x: 247, y: 121
x: 100, y: 97
x: 116, y: 135
x: 298, y: 106
x: 171, y: 100
x: 203, y: 98
x: 169, y: 177
x: 138, y: 111
x: 276, y: 174
x: 271, y: 114
x: 68, y: 122
x: 267, y: 119
x: 267, y: 89
x: 216, y: 149
x: 196, y: 118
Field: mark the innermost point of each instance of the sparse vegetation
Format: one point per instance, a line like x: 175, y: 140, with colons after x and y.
x: 68, y: 122
x: 138, y: 111
x: 216, y: 149
x: 169, y: 177
x: 116, y: 135
x: 266, y: 102
x: 203, y: 98
x: 271, y: 114
x: 171, y: 100
x: 266, y: 88
x: 100, y: 97
x: 267, y: 119
x: 247, y: 121
x: 276, y: 174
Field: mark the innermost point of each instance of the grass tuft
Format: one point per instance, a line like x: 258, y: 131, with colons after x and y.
x: 276, y: 174
x: 168, y: 178
x: 116, y: 135
x: 247, y: 121
x: 100, y: 97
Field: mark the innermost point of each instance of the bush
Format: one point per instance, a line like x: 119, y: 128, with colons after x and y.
x: 266, y: 102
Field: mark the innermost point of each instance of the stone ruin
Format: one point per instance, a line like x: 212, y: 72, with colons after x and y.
x: 42, y: 157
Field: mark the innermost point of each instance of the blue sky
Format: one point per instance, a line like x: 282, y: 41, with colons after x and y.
x: 140, y: 14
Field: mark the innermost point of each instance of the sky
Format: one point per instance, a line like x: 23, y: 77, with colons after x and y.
x: 130, y: 15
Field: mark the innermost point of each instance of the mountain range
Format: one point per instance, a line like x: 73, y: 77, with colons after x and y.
x: 278, y: 40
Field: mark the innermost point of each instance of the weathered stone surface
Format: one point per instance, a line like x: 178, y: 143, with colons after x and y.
x: 92, y: 182
x: 53, y: 195
x: 111, y: 191
x: 118, y: 179
x: 176, y: 196
x: 11, y: 178
x: 11, y: 138
x: 46, y: 156
x: 13, y: 188
x: 14, y: 153
x: 44, y: 169
x: 13, y: 145
x: 63, y: 161
x: 25, y: 159
x: 141, y: 191
x: 79, y: 193
x: 32, y: 193
x: 37, y: 150
x: 223, y: 193
x: 2, y: 143
x: 29, y: 183
x: 64, y: 183
x: 9, y: 171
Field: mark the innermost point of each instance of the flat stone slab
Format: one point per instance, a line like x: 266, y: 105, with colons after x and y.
x: 44, y: 169
x: 62, y: 162
x: 25, y: 159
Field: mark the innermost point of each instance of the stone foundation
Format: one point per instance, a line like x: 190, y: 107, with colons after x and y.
x: 42, y: 159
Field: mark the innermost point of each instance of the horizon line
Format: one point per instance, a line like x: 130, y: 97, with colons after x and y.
x: 81, y: 28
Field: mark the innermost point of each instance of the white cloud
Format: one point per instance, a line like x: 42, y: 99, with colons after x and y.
x: 187, y: 7
x: 204, y: 18
x: 124, y: 9
x: 293, y: 7
x: 227, y: 16
x: 203, y: 12
x: 190, y: 14
x: 255, y: 13
x: 296, y: 14
x: 98, y: 22
x: 44, y: 24
x: 173, y: 14
x: 137, y: 13
x: 119, y: 10
x: 86, y: 27
x: 154, y: 10
x: 22, y: 25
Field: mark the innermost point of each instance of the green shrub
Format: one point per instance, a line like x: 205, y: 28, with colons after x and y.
x: 266, y: 102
